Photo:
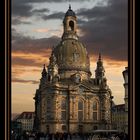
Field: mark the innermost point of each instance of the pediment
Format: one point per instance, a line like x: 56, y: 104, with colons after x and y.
x: 82, y: 88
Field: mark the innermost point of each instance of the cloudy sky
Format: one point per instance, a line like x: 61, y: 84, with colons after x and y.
x: 37, y: 26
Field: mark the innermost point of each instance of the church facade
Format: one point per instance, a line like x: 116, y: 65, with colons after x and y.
x: 68, y: 99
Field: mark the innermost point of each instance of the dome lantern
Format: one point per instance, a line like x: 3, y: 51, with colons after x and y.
x: 70, y: 25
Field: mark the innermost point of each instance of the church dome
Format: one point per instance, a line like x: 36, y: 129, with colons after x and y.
x: 72, y: 55
x: 70, y: 12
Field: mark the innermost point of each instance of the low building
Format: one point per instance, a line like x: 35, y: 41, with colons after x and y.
x: 120, y: 112
x: 27, y: 120
x: 119, y: 117
x: 16, y: 127
x: 125, y: 76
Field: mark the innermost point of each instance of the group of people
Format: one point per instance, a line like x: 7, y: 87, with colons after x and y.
x: 65, y: 136
x: 117, y: 136
x: 41, y: 136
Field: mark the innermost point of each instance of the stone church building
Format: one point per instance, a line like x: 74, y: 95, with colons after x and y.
x: 68, y: 99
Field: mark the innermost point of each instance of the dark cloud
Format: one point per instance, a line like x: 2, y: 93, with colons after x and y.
x: 57, y: 15
x: 57, y: 1
x: 106, y: 29
x: 18, y: 80
x: 25, y: 8
x: 17, y: 21
x: 24, y: 62
x: 41, y: 10
x: 25, y: 45
x: 21, y: 9
x: 29, y: 45
x: 50, y: 1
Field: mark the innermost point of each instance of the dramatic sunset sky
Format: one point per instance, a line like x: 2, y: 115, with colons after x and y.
x: 37, y: 26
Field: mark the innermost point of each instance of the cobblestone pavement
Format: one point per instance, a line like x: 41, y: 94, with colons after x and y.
x: 78, y: 138
x: 73, y: 138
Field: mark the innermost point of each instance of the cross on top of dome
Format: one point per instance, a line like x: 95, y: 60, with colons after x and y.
x: 69, y: 7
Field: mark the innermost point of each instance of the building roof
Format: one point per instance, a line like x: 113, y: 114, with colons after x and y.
x: 118, y: 108
x: 26, y: 115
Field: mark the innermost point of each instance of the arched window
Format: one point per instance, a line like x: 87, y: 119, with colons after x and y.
x: 63, y: 109
x: 63, y: 104
x: 95, y: 110
x: 80, y: 110
x: 48, y: 104
x: 71, y: 24
x: 78, y: 79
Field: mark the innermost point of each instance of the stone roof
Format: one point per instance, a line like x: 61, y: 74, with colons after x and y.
x: 119, y: 108
x: 26, y: 115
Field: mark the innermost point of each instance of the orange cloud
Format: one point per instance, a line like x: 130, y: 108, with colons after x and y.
x: 41, y: 30
x: 57, y: 33
x: 30, y: 59
x: 80, y: 32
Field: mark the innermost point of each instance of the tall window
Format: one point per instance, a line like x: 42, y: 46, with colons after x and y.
x: 77, y: 78
x: 80, y: 110
x: 63, y: 109
x: 95, y: 111
x: 95, y: 116
x: 48, y: 112
x: 94, y: 105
